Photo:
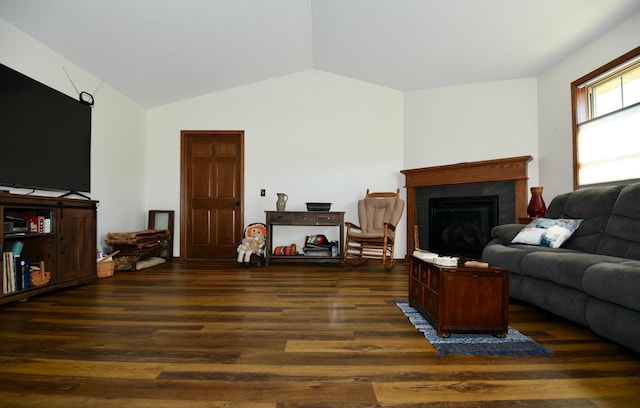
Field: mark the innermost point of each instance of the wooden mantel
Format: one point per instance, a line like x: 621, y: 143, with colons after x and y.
x: 512, y: 168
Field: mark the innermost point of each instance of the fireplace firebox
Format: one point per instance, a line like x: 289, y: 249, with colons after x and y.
x: 461, y: 226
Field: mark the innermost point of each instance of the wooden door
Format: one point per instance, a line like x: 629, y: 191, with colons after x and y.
x: 212, y: 184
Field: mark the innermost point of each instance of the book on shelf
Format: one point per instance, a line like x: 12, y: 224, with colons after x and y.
x: 47, y: 225
x: 26, y: 274
x: 16, y: 273
x: 8, y: 274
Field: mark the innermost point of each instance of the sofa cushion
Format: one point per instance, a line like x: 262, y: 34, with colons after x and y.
x: 594, y: 206
x: 564, y: 267
x: 614, y: 322
x: 566, y: 302
x: 506, y: 232
x: 508, y: 257
x: 547, y: 232
x: 615, y: 283
x: 515, y: 286
x: 556, y: 206
x: 621, y: 237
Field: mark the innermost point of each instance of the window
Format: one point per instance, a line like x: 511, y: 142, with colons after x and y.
x: 606, y: 123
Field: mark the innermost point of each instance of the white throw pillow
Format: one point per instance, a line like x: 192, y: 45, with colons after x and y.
x: 547, y: 232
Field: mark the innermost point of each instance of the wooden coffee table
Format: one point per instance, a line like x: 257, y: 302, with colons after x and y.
x: 459, y: 299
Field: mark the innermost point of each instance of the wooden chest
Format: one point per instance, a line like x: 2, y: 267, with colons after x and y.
x: 460, y: 299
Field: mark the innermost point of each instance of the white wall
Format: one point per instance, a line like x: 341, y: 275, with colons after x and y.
x: 118, y: 162
x: 320, y: 137
x: 312, y: 135
x: 118, y: 130
x: 465, y: 123
x: 554, y: 102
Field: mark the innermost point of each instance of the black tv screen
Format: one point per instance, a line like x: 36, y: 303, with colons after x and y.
x: 45, y: 136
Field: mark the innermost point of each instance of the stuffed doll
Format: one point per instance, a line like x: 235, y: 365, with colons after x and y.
x: 252, y: 243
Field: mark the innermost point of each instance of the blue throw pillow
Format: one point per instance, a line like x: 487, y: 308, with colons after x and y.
x: 547, y: 232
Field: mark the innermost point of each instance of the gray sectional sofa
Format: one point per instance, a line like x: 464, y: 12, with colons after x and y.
x: 594, y: 277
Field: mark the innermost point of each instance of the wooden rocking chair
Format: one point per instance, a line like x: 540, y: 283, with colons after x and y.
x: 374, y: 238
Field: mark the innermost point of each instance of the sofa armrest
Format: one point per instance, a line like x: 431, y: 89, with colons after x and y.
x: 506, y: 232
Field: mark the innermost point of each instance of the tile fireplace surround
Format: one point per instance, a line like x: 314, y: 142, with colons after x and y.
x: 467, y: 179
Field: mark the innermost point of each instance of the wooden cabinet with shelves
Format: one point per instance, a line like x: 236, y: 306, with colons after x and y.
x: 62, y: 244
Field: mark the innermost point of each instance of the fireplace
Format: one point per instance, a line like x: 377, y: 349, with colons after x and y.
x: 505, y: 178
x: 461, y: 226
x: 483, y: 204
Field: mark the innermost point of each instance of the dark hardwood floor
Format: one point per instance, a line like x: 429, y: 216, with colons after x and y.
x: 204, y: 334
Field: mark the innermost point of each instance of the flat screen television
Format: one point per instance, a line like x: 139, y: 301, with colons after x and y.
x: 45, y: 136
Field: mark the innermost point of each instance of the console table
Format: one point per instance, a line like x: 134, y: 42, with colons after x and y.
x: 302, y: 218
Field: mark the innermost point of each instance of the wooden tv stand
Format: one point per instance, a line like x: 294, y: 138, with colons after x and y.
x: 64, y: 243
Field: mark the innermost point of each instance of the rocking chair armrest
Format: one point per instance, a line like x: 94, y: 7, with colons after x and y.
x: 390, y: 226
x: 351, y: 226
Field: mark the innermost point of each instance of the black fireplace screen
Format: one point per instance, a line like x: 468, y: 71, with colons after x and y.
x: 461, y: 226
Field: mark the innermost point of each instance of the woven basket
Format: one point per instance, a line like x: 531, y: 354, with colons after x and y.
x: 105, y: 269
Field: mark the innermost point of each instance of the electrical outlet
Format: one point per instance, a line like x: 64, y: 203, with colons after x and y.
x: 263, y: 192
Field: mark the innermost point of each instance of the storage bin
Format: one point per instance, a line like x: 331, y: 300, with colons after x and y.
x: 318, y: 206
x: 105, y: 269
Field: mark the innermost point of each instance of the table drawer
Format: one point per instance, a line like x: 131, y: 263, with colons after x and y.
x: 434, y: 279
x: 416, y: 291
x: 430, y: 303
x: 424, y: 276
x: 304, y: 219
x: 280, y: 218
x: 329, y: 219
x: 415, y: 271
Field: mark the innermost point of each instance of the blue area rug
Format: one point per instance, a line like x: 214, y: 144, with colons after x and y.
x: 514, y: 344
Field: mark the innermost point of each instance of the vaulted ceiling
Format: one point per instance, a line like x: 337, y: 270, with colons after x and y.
x: 162, y: 51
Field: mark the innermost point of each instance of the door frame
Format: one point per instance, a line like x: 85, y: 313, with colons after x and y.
x: 184, y: 202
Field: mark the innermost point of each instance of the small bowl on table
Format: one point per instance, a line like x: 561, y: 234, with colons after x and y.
x: 318, y: 206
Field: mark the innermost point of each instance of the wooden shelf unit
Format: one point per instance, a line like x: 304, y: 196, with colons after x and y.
x: 67, y: 250
x: 302, y: 218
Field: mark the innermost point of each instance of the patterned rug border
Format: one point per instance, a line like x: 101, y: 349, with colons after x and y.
x: 514, y: 344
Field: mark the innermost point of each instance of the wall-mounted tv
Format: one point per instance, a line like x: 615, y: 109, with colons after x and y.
x: 45, y: 136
